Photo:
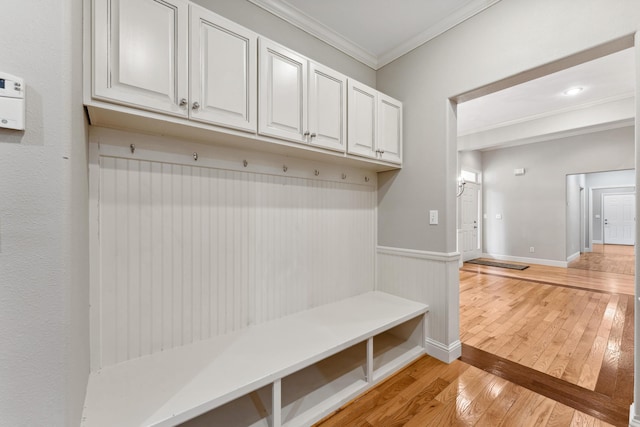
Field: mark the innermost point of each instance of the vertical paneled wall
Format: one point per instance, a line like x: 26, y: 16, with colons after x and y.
x: 190, y: 252
x: 431, y: 278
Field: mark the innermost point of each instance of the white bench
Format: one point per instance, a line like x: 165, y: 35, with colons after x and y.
x: 303, y: 366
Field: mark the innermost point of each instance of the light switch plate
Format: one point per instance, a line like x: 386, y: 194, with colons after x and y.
x: 433, y: 217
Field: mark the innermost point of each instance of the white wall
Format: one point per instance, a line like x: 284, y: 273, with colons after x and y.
x: 533, y: 206
x: 188, y: 250
x: 44, y: 361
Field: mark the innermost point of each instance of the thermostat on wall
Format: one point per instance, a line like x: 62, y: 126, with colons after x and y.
x: 12, y: 102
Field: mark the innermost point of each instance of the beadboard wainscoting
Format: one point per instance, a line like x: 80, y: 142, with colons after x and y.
x: 183, y: 249
x: 431, y: 278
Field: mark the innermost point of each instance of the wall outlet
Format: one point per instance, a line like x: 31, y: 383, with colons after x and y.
x: 532, y: 249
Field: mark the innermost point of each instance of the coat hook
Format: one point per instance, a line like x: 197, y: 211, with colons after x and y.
x: 245, y: 163
x: 285, y: 168
x: 366, y: 179
x: 195, y: 156
x: 344, y: 176
x: 133, y: 148
x: 316, y: 172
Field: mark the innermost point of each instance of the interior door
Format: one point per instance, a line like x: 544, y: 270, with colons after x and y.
x: 470, y: 227
x: 619, y: 219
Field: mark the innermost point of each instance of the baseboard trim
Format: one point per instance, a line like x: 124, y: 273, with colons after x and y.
x: 413, y: 253
x: 597, y: 242
x: 444, y: 353
x: 573, y: 257
x: 540, y: 261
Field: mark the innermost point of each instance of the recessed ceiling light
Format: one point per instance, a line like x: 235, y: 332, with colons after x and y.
x: 573, y: 91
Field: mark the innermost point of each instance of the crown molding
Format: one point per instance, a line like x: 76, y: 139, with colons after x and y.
x: 296, y: 17
x: 456, y: 18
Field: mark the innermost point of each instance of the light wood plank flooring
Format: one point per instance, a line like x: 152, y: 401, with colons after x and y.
x: 542, y: 346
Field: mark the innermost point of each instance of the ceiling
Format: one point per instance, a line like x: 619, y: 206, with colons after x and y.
x: 604, y: 80
x: 376, y: 32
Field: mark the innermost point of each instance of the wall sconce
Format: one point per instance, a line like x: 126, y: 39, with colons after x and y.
x: 461, y: 184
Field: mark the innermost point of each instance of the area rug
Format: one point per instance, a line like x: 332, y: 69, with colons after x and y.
x: 497, y: 264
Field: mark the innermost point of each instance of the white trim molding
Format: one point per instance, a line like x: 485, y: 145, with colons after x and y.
x: 634, y: 420
x: 431, y: 278
x: 573, y: 257
x: 298, y: 18
x: 444, y: 353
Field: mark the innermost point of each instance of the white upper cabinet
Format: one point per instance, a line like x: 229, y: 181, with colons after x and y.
x: 168, y: 64
x: 223, y: 71
x: 283, y: 92
x: 363, y: 105
x: 327, y: 108
x: 140, y: 53
x: 300, y: 100
x: 389, y: 129
x: 375, y: 124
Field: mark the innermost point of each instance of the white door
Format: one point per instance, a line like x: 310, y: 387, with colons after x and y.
x: 470, y: 227
x: 140, y: 53
x: 283, y: 93
x: 363, y: 105
x: 327, y: 108
x: 223, y: 72
x: 619, y: 215
x: 389, y: 144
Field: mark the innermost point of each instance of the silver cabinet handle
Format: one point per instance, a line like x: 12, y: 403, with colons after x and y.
x: 313, y: 135
x: 195, y: 106
x: 306, y: 133
x: 183, y: 102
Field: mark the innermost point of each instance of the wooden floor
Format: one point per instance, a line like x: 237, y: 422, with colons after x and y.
x: 542, y: 346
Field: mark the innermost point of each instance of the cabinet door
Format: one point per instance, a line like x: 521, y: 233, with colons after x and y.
x: 140, y: 53
x: 283, y: 93
x: 362, y: 103
x: 327, y: 108
x: 224, y: 64
x: 389, y: 129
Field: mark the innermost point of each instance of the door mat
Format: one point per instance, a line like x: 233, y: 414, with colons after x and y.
x: 498, y: 264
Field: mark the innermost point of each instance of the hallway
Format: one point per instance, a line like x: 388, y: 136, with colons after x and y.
x: 545, y: 346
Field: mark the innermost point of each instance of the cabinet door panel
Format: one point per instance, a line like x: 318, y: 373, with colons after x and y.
x: 389, y: 129
x: 140, y: 53
x: 223, y: 71
x: 327, y: 107
x: 362, y: 119
x: 283, y: 93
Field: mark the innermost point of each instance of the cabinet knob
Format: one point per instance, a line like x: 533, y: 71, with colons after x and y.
x: 183, y: 102
x: 195, y: 106
x: 313, y: 135
x: 306, y: 133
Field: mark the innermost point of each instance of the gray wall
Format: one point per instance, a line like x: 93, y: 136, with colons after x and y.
x: 44, y: 268
x: 511, y: 37
x: 264, y: 23
x: 533, y: 206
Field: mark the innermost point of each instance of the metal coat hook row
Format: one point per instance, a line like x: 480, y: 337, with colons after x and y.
x: 132, y: 147
x: 195, y: 156
x: 245, y: 163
